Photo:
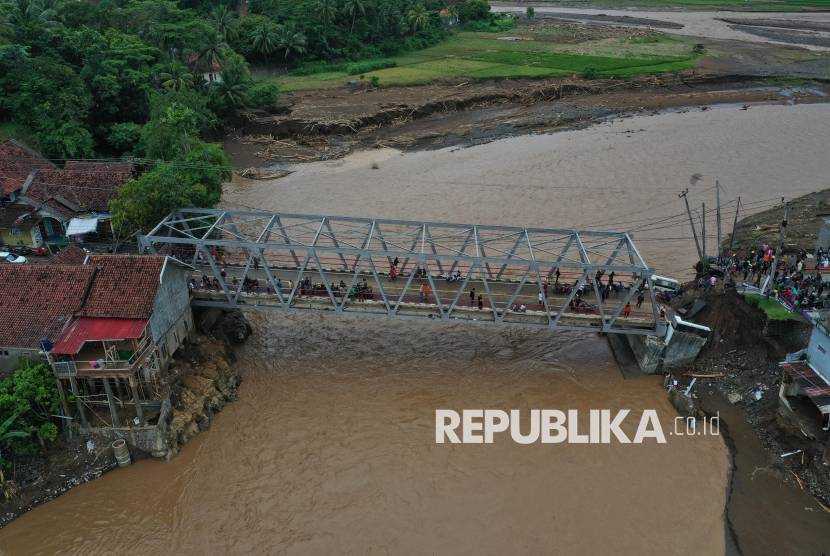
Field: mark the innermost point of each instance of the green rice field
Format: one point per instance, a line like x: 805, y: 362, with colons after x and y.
x: 484, y: 56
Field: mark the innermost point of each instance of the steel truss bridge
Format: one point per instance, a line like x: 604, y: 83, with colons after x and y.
x: 269, y: 258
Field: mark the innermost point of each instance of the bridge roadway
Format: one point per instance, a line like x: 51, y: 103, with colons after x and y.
x: 505, y: 265
x: 412, y: 303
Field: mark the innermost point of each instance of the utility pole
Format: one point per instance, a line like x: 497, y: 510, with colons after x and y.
x: 734, y: 227
x: 703, y: 234
x: 778, y: 247
x: 720, y: 239
x: 692, y: 223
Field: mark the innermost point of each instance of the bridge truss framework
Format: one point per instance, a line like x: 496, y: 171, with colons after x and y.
x: 505, y: 261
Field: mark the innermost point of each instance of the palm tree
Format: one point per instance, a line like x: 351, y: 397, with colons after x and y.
x: 225, y: 22
x: 28, y: 18
x: 231, y: 88
x: 326, y: 11
x: 213, y: 50
x: 418, y: 17
x: 289, y: 39
x: 265, y: 41
x: 177, y: 78
x: 351, y: 7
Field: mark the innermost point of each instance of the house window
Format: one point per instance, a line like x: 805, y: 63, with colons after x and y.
x: 26, y: 353
x: 176, y: 337
x: 13, y: 232
x: 822, y: 350
x: 4, y: 352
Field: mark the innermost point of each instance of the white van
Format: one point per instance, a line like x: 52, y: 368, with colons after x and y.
x: 662, y: 283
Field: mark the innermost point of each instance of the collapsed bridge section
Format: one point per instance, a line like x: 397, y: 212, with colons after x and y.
x: 497, y: 275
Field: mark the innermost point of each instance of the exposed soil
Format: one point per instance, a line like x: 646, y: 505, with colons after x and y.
x: 624, y: 20
x: 803, y: 225
x: 769, y: 509
x: 331, y: 124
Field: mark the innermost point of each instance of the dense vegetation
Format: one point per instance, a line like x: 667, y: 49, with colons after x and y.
x: 83, y: 79
x: 28, y: 399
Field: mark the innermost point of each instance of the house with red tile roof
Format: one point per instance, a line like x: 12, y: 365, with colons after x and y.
x: 211, y: 74
x: 40, y: 301
x: 112, y: 319
x: 17, y: 161
x: 71, y: 255
x: 72, y: 201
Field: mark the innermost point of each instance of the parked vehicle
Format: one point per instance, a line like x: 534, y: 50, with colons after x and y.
x: 12, y: 258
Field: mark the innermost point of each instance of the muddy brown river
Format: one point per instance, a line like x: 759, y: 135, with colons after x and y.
x: 331, y: 448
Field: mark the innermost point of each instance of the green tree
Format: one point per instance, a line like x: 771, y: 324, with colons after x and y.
x: 418, y: 17
x: 290, y: 40
x: 265, y: 41
x: 213, y: 50
x: 530, y: 12
x: 177, y: 77
x: 225, y: 22
x: 351, y: 7
x: 192, y: 180
x: 477, y: 9
x: 31, y: 19
x: 326, y: 11
x: 68, y: 140
x: 31, y: 397
x: 6, y: 435
x: 230, y: 88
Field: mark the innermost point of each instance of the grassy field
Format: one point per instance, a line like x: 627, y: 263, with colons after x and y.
x: 483, y: 56
x: 756, y: 5
x: 773, y: 309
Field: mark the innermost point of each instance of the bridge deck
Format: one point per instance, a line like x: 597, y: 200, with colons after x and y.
x: 400, y: 269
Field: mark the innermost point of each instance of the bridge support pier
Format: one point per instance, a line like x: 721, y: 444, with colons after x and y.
x: 680, y: 346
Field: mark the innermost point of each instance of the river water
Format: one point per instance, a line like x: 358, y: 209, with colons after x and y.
x: 331, y: 448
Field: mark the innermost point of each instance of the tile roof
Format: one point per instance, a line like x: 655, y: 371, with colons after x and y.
x: 18, y: 218
x: 83, y: 166
x: 70, y: 255
x: 75, y: 190
x: 125, y: 286
x: 40, y: 301
x: 17, y: 161
x: 195, y: 66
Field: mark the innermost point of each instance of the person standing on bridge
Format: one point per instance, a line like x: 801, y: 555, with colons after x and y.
x: 557, y: 276
x: 223, y: 274
x: 472, y: 295
x: 426, y: 292
x: 541, y: 299
x: 640, y: 299
x: 480, y: 303
x: 545, y: 287
x: 422, y: 292
x: 256, y: 262
x: 627, y: 310
x: 611, y: 279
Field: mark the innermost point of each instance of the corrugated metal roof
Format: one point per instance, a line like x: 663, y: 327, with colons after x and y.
x: 92, y: 329
x: 812, y: 383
